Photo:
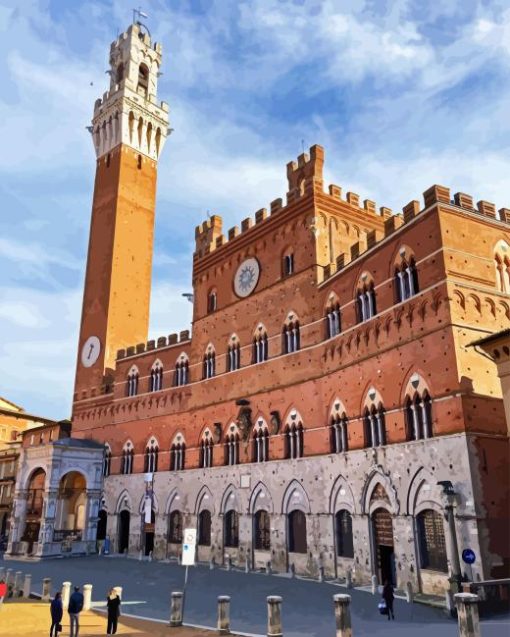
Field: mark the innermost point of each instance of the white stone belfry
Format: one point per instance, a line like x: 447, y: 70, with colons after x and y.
x: 129, y: 113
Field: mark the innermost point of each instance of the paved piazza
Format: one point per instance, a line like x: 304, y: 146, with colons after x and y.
x: 307, y: 605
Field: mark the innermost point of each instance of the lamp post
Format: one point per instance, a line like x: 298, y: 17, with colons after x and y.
x: 449, y: 498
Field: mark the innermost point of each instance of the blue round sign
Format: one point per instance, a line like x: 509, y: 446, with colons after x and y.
x: 468, y: 556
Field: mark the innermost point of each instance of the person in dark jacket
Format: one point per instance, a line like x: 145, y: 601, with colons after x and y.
x: 388, y: 598
x: 74, y: 609
x: 113, y: 605
x: 57, y: 612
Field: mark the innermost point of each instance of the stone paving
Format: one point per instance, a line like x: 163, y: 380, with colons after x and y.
x: 307, y: 609
x: 30, y: 618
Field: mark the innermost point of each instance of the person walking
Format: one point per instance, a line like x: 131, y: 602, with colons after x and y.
x: 3, y: 591
x: 74, y: 609
x: 113, y: 605
x: 388, y: 598
x: 57, y: 612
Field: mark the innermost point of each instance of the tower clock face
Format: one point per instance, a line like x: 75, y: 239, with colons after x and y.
x: 246, y: 277
x: 90, y: 351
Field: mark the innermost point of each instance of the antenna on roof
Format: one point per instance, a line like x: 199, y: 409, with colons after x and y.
x: 303, y: 145
x: 208, y: 214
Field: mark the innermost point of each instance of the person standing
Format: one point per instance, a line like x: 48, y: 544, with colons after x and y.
x: 388, y: 598
x: 3, y: 591
x: 74, y: 609
x: 113, y: 605
x: 57, y: 612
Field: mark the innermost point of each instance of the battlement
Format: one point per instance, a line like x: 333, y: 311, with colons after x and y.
x: 154, y: 344
x: 305, y: 177
x: 134, y: 30
x: 392, y: 222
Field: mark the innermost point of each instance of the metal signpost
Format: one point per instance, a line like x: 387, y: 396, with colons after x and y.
x: 189, y: 543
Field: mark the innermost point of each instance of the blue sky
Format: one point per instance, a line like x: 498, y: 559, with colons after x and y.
x: 402, y: 95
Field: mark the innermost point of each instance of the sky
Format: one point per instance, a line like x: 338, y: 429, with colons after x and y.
x: 401, y: 94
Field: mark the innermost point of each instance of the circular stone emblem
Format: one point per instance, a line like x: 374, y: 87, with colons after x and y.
x: 246, y: 277
x: 90, y: 351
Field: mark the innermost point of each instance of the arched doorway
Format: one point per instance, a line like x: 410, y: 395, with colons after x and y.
x: 124, y: 521
x: 101, y: 525
x: 382, y: 526
x: 70, y: 520
x: 34, y: 508
x: 148, y: 534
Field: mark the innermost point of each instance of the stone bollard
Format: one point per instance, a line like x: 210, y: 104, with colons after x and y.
x: 292, y: 570
x: 274, y: 616
x: 46, y: 589
x: 87, y: 596
x: 348, y: 578
x: 211, y: 564
x: 409, y: 593
x: 66, y: 594
x: 467, y: 609
x: 374, y: 584
x: 27, y: 585
x: 18, y: 584
x: 229, y: 563
x: 247, y: 564
x: 268, y: 567
x: 343, y: 615
x: 321, y: 573
x: 140, y: 555
x: 224, y: 614
x: 118, y: 590
x: 176, y: 609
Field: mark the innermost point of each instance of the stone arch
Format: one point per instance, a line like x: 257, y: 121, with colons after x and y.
x: 402, y: 253
x: 230, y: 500
x: 204, y: 501
x: 260, y: 498
x: 292, y: 417
x: 371, y: 396
x: 124, y: 502
x: 336, y: 406
x: 32, y: 473
x: 173, y: 501
x: 295, y: 497
x: 414, y: 383
x: 341, y: 496
x: 377, y: 476
x: 423, y: 493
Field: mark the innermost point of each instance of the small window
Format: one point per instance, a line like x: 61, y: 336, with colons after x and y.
x: 261, y: 445
x: 366, y: 302
x: 143, y: 80
x: 209, y: 365
x: 231, y: 529
x: 344, y: 541
x: 432, y: 541
x: 297, y: 532
x: 333, y: 322
x: 175, y: 527
x: 232, y: 449
x: 291, y: 337
x: 204, y: 528
x: 260, y: 346
x: 151, y: 457
x: 212, y: 302
x: 293, y: 441
x: 288, y: 264
x: 338, y: 438
x: 262, y: 531
x: 206, y: 453
x: 374, y: 426
x: 177, y: 456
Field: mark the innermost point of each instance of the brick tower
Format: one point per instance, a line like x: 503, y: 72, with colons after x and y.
x: 129, y: 130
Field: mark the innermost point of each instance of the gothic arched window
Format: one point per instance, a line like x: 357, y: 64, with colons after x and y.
x: 262, y: 531
x: 178, y: 454
x: 418, y: 416
x: 333, y: 322
x: 209, y: 363
x: 232, y: 448
x: 374, y: 425
x: 291, y: 335
x: 260, y: 345
x: 431, y: 541
x: 175, y: 527
x: 151, y: 456
x: 231, y: 529
x: 143, y: 79
x: 502, y: 263
x: 344, y: 540
x: 206, y: 450
x: 181, y: 371
x: 132, y: 381
x: 260, y: 444
x: 233, y: 354
x: 406, y: 276
x: 297, y: 532
x: 204, y: 528
x: 365, y: 299
x: 293, y: 433
x: 338, y: 433
x: 126, y: 464
x: 156, y: 377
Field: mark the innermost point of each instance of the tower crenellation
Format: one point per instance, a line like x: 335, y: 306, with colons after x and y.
x: 129, y: 113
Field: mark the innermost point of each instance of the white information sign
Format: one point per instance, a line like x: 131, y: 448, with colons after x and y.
x: 188, y: 547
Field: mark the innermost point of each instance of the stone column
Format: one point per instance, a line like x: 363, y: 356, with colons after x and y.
x: 223, y: 614
x: 46, y: 589
x: 343, y: 615
x: 87, y: 596
x: 274, y: 616
x: 452, y: 545
x: 27, y: 585
x: 66, y: 594
x: 374, y: 584
x: 467, y: 608
x: 176, y: 609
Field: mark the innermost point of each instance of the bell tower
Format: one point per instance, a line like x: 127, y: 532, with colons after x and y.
x: 129, y: 129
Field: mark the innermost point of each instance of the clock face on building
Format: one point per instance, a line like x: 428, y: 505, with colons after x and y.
x: 90, y: 351
x: 246, y: 277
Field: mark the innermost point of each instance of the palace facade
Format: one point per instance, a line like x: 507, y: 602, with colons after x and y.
x: 327, y: 412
